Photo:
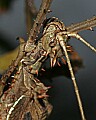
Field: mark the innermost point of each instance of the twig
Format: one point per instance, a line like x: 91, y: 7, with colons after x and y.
x: 40, y: 18
x: 37, y: 24
x: 12, y: 66
x: 85, y: 25
x: 31, y: 6
x: 31, y: 13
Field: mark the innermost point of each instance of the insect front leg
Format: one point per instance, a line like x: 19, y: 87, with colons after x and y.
x: 63, y: 45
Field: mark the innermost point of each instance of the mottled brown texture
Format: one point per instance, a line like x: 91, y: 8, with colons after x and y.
x: 26, y: 93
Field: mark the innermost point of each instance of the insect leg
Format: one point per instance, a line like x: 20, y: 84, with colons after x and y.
x: 82, y: 40
x: 63, y: 45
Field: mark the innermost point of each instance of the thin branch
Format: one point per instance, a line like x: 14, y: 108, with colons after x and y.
x: 40, y: 17
x: 39, y: 20
x: 12, y: 67
x: 36, y: 27
x: 85, y: 25
x: 31, y: 6
x: 31, y: 13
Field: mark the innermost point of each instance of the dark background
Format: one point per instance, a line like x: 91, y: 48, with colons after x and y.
x: 13, y: 24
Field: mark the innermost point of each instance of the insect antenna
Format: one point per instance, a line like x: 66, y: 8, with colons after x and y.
x: 63, y: 45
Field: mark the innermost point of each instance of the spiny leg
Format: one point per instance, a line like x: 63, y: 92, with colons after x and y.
x: 62, y: 43
x: 82, y: 40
